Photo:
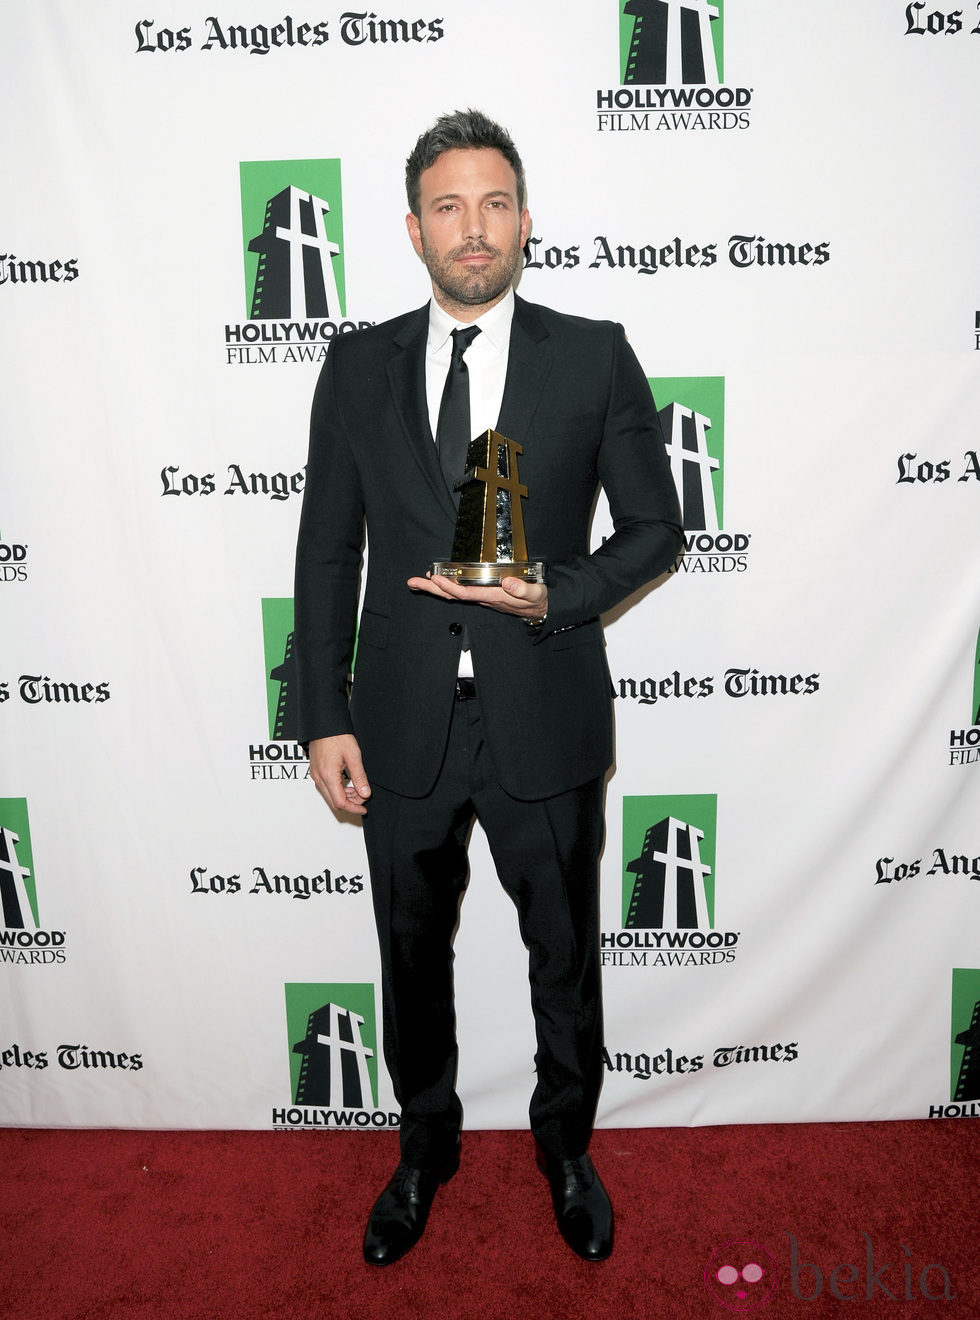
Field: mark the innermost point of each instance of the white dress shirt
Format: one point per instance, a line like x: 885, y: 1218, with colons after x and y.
x: 486, y: 363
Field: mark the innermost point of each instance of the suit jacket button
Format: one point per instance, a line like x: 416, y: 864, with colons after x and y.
x: 455, y: 629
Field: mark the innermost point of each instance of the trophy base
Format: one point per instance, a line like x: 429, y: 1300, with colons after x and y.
x: 472, y: 573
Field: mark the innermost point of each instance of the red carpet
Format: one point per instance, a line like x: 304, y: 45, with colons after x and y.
x: 267, y: 1226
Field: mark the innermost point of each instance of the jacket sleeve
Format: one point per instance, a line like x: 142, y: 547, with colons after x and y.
x: 328, y: 562
x: 635, y: 475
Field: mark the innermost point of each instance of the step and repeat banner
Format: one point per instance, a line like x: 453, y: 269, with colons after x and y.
x: 779, y: 202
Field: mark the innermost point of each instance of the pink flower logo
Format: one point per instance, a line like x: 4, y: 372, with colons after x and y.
x: 740, y: 1274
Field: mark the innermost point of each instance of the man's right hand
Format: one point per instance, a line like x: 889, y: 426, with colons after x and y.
x: 338, y: 773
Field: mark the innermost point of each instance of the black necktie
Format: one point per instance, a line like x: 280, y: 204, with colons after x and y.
x: 453, y: 429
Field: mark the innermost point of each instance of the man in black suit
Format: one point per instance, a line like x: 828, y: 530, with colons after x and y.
x: 470, y: 701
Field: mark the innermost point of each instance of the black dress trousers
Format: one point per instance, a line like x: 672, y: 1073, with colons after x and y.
x: 546, y: 854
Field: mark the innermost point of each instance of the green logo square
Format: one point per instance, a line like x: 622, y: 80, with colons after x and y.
x: 669, y: 861
x: 333, y: 1045
x: 17, y: 881
x: 293, y: 239
x: 648, y: 27
x: 695, y: 404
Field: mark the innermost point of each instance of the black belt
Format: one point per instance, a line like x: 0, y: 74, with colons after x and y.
x: 465, y: 689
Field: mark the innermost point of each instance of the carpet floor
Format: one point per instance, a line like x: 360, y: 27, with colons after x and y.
x: 869, y: 1219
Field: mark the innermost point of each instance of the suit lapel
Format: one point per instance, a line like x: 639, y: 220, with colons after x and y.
x: 528, y: 366
x: 406, y: 380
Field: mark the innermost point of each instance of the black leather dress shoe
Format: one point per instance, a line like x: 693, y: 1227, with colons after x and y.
x: 582, y: 1209
x: 400, y: 1212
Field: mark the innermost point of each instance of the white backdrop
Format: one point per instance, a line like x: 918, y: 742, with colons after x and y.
x: 801, y: 270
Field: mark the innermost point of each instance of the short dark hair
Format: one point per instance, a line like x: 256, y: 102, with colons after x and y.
x: 464, y: 129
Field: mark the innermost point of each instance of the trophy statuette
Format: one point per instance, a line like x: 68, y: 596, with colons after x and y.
x: 489, y: 544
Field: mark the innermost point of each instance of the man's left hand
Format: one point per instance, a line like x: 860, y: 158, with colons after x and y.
x: 526, y: 600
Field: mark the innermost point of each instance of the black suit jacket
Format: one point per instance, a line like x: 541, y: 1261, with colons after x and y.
x: 576, y: 399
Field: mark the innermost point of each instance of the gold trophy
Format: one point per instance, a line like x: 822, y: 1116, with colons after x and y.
x: 489, y: 544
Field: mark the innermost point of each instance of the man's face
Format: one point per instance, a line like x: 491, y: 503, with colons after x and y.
x: 469, y: 230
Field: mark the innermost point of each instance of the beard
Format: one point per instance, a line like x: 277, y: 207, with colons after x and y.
x: 473, y: 288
